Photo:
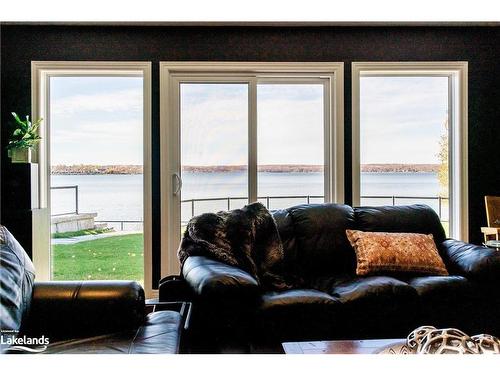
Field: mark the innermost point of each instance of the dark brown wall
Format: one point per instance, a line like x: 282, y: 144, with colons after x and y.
x: 478, y: 45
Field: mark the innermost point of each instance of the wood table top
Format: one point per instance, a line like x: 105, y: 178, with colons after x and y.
x: 340, y: 346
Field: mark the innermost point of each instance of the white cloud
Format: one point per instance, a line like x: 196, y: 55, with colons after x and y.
x: 97, y: 142
x: 108, y: 131
x: 401, y: 122
x: 215, y: 132
x: 402, y: 119
x: 290, y: 132
x: 118, y: 101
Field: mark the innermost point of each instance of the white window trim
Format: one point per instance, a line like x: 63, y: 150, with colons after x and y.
x: 170, y: 72
x: 457, y: 71
x: 41, y: 71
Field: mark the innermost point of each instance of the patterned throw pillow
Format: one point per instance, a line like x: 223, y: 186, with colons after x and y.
x: 379, y: 252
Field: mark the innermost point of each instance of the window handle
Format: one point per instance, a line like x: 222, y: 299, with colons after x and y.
x: 177, y: 183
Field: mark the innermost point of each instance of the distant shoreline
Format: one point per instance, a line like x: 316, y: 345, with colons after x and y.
x: 85, y: 169
x: 88, y: 169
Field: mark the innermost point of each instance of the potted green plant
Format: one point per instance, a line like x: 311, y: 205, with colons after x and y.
x: 23, y: 139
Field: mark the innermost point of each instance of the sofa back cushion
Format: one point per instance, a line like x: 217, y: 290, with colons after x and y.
x: 314, y: 239
x: 286, y: 230
x: 417, y: 218
x: 17, y: 275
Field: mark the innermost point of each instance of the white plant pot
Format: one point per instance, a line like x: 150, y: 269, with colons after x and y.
x: 20, y: 155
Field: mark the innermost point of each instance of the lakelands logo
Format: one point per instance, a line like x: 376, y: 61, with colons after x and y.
x: 23, y: 343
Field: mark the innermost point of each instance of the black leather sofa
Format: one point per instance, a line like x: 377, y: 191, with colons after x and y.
x: 78, y: 316
x: 231, y: 311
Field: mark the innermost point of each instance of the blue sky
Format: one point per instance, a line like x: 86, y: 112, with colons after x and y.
x: 98, y: 120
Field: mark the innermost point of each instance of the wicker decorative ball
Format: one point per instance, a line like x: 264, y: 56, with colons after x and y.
x: 414, y: 339
x: 487, y: 344
x: 448, y: 341
x: 430, y: 340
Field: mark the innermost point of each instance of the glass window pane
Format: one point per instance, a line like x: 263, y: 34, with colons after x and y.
x: 290, y: 144
x: 404, y: 141
x: 96, y: 151
x: 214, y: 147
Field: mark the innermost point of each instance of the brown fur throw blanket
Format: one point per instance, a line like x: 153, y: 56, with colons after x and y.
x: 246, y: 238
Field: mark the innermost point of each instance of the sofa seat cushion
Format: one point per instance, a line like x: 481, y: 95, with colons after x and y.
x: 160, y: 334
x: 447, y: 301
x: 305, y: 314
x: 441, y: 286
x: 296, y: 297
x: 375, y: 306
x: 372, y: 289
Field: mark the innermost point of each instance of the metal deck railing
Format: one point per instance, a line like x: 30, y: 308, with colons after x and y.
x: 266, y: 200
x: 75, y: 187
x: 392, y: 200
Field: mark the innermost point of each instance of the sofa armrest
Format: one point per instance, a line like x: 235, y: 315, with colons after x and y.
x: 472, y: 261
x: 213, y: 280
x: 70, y: 309
x: 174, y: 288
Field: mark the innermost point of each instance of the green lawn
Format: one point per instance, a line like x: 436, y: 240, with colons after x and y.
x: 112, y: 258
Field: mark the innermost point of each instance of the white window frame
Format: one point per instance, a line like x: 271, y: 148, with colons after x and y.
x: 457, y: 73
x: 173, y: 73
x: 41, y: 72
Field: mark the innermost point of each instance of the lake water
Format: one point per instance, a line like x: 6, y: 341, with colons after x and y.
x: 119, y: 197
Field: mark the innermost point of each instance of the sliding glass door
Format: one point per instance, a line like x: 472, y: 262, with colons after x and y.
x: 214, y: 145
x: 247, y: 139
x: 237, y: 133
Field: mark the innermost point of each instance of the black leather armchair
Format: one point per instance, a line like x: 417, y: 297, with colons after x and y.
x: 337, y: 304
x: 79, y: 316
